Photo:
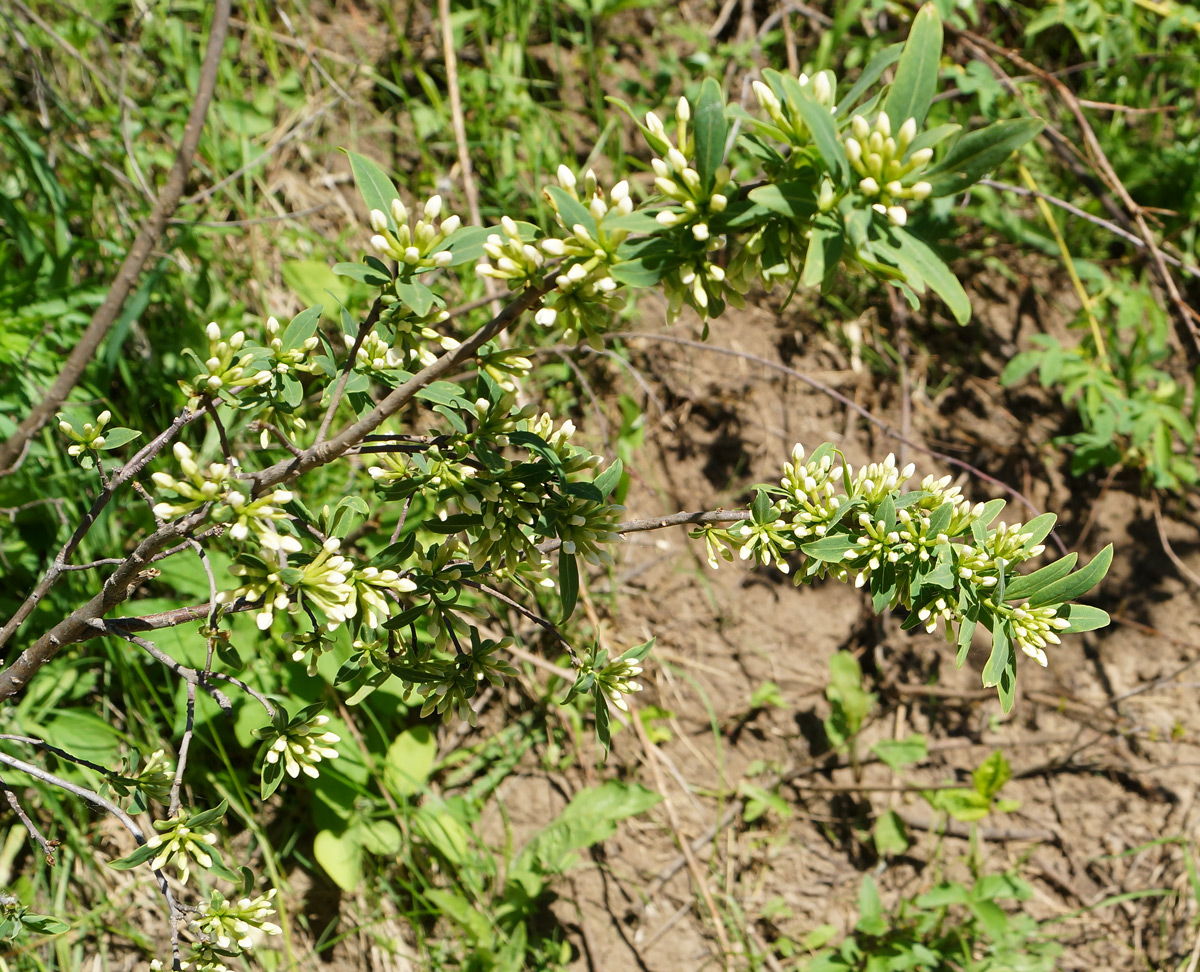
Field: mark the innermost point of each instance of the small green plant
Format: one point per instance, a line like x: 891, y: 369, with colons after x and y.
x: 1131, y: 411
x: 951, y: 926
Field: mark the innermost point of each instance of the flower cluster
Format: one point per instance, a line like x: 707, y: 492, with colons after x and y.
x: 783, y: 109
x: 413, y: 335
x: 810, y: 490
x: 923, y: 550
x: 199, y: 486
x: 177, y: 843
x: 417, y: 248
x: 616, y: 680
x: 676, y: 177
x: 514, y: 258
x: 226, y: 923
x: 300, y: 745
x: 224, y: 368
x: 282, y: 361
x: 88, y: 437
x: 464, y: 677
x: 886, y: 166
x: 257, y: 517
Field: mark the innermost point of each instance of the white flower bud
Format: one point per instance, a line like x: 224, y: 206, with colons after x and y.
x: 883, y: 124
x: 546, y: 316
x: 566, y: 178
x: 683, y: 111
x: 920, y: 190
x: 382, y: 245
x: 920, y: 157
x: 860, y: 127
x: 399, y: 212
x: 822, y: 89
x: 869, y: 187
x: 213, y: 332
x: 908, y: 131
x: 379, y: 220
x: 450, y: 225
x: 433, y: 207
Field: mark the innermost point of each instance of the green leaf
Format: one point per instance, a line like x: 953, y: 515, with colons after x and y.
x: 341, y: 855
x: 935, y: 273
x: 917, y: 73
x: 794, y: 199
x: 991, y: 775
x: 1038, y: 528
x: 710, y: 131
x: 415, y: 296
x: 978, y: 152
x: 364, y: 273
x: 962, y: 804
x: 302, y: 327
x: 376, y: 189
x: 314, y: 282
x: 889, y: 834
x: 409, y: 760
x: 381, y: 837
x: 603, y: 727
x: 639, y: 272
x: 272, y: 776
x: 825, y: 245
x: 998, y: 660
x: 136, y: 859
x: 1027, y: 585
x: 45, y: 924
x: 568, y: 583
x: 820, y: 123
x: 536, y: 444
x: 571, y: 209
x: 880, y: 62
x: 830, y: 550
x: 466, y: 244
x: 950, y: 893
x: 1083, y: 617
x: 1019, y: 366
x: 899, y: 753
x: 870, y: 909
x: 610, y: 479
x: 1076, y: 584
x: 117, y: 437
x: 206, y: 817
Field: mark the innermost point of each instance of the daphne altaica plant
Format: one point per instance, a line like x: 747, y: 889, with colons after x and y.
x: 496, y: 505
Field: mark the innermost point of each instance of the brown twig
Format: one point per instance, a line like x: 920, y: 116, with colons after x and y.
x: 106, y: 314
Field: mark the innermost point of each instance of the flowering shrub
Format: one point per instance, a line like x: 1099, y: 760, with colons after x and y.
x: 496, y: 498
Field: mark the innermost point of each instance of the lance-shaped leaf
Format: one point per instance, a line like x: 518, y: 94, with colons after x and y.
x: 977, y: 153
x: 916, y: 74
x: 376, y: 189
x: 710, y: 131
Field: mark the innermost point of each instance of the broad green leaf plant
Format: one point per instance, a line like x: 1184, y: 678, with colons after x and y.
x: 496, y: 500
